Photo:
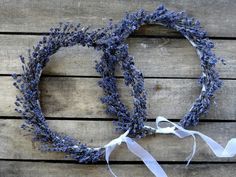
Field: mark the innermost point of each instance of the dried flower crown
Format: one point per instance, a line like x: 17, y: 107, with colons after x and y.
x: 111, y: 41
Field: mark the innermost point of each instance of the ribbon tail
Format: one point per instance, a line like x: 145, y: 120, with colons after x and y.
x: 109, y: 150
x: 217, y: 149
x: 146, y: 157
x: 111, y: 146
x: 189, y: 158
x: 137, y: 150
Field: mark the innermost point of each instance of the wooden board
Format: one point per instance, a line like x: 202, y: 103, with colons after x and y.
x: 39, y: 169
x: 66, y: 97
x: 155, y: 57
x: 16, y: 143
x: 39, y: 16
x: 70, y: 95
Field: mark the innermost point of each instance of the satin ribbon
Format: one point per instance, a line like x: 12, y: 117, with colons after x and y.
x: 136, y: 149
x: 151, y: 163
x: 217, y: 149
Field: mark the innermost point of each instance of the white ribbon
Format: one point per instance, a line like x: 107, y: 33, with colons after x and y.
x: 136, y: 149
x: 217, y: 149
x: 151, y: 163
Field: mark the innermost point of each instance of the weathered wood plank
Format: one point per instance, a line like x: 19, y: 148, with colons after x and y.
x: 35, y: 16
x: 79, y: 97
x: 39, y: 169
x: 16, y: 143
x: 156, y: 57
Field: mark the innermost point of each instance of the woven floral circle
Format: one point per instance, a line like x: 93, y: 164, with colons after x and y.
x: 111, y: 41
x: 193, y: 32
x: 28, y: 103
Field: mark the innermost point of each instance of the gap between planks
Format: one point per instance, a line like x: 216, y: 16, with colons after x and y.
x: 25, y: 16
x: 16, y: 143
x: 79, y: 97
x: 156, y: 58
x: 26, y: 169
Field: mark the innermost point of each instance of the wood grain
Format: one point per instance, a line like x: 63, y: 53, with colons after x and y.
x: 39, y: 16
x: 16, y: 143
x: 169, y: 64
x: 65, y: 97
x: 39, y: 169
x: 155, y: 57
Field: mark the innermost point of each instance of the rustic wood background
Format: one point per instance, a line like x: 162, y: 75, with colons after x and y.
x: 70, y: 95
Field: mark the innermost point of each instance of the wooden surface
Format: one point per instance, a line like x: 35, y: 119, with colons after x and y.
x: 70, y: 95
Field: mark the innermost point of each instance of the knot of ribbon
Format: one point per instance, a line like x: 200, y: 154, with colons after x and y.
x: 149, y: 160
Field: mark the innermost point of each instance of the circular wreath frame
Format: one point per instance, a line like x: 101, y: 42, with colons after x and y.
x: 116, y: 36
x: 110, y: 40
x: 28, y: 103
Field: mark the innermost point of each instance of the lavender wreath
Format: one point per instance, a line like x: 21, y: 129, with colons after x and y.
x: 110, y: 40
x: 28, y: 103
x: 116, y: 35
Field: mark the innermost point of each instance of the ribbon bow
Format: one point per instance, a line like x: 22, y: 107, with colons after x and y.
x: 151, y: 163
x: 136, y: 149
